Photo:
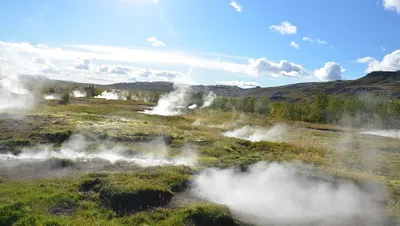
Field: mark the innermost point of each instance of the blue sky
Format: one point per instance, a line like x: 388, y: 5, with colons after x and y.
x: 203, y: 42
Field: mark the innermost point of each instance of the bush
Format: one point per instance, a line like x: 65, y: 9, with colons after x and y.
x: 66, y: 98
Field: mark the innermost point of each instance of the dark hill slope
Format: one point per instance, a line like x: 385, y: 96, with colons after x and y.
x: 379, y: 81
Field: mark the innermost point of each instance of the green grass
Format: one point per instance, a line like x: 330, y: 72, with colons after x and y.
x: 32, y: 202
x: 36, y: 201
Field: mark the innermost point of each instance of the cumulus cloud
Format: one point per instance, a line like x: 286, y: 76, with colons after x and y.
x: 295, y: 45
x: 121, y: 70
x: 318, y: 41
x: 45, y: 66
x: 392, y: 5
x: 262, y: 66
x: 50, y: 69
x: 40, y: 60
x: 241, y: 84
x: 103, y: 69
x: 141, y: 74
x: 160, y: 75
x: 390, y: 62
x: 83, y: 64
x: 285, y: 28
x: 155, y: 42
x: 236, y: 6
x: 24, y: 54
x: 365, y: 60
x: 321, y: 42
x: 329, y: 72
x: 42, y: 46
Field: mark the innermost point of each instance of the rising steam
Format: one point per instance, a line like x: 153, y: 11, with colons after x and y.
x: 278, y: 194
x: 256, y: 134
x: 78, y: 148
x: 175, y: 102
x: 383, y: 133
x: 170, y: 104
x: 78, y: 94
x: 209, y: 99
x: 112, y: 95
x: 13, y: 95
x: 52, y: 97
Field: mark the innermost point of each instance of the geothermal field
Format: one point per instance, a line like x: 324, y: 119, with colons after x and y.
x: 114, y: 159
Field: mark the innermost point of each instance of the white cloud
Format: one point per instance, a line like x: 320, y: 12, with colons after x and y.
x: 329, y: 72
x: 45, y: 66
x: 264, y: 67
x: 241, y: 84
x: 365, y: 60
x: 133, y: 1
x: 390, y: 62
x: 308, y: 39
x: 26, y: 52
x: 162, y: 75
x: 321, y: 42
x: 285, y: 28
x: 84, y: 64
x: 318, y: 41
x: 295, y: 45
x: 155, y: 42
x: 392, y: 5
x: 383, y: 49
x: 142, y: 74
x: 40, y: 60
x: 103, y: 69
x: 50, y: 69
x: 42, y: 46
x: 105, y: 60
x: 121, y: 70
x: 236, y: 6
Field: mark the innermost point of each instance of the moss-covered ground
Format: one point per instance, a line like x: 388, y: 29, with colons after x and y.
x: 139, y: 196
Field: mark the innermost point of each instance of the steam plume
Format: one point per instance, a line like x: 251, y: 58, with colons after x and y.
x: 277, y: 194
x: 77, y: 149
x: 209, y: 100
x: 256, y: 134
x: 170, y: 104
x: 13, y: 95
x: 78, y: 93
x: 52, y: 97
x: 383, y: 133
x: 110, y: 96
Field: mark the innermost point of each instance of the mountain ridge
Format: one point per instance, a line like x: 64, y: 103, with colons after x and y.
x: 384, y: 82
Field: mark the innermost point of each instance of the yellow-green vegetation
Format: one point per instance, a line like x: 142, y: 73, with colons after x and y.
x: 106, y: 199
x: 141, y: 196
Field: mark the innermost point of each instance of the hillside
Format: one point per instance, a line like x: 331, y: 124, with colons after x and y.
x: 379, y: 81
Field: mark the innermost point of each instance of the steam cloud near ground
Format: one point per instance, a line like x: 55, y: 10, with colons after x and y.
x: 278, y: 194
x: 13, y: 95
x: 209, y: 99
x: 83, y: 150
x: 78, y: 94
x: 173, y: 103
x: 52, y: 97
x: 383, y: 133
x: 110, y: 95
x: 256, y: 133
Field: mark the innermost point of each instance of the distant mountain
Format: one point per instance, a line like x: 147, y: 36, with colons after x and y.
x: 379, y: 81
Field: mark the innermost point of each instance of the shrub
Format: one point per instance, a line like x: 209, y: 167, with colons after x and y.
x: 66, y: 98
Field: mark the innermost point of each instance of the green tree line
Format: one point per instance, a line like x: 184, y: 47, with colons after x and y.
x: 323, y: 108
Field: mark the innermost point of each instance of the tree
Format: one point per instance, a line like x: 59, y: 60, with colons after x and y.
x: 66, y: 98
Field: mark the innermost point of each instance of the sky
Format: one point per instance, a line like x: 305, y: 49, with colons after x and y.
x: 246, y: 43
